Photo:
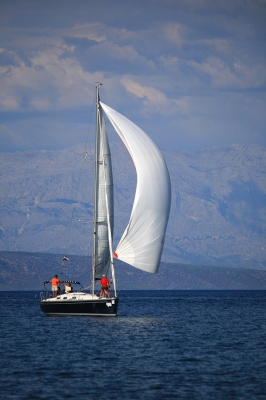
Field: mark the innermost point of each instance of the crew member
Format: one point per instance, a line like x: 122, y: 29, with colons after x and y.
x: 68, y: 288
x: 55, y: 285
x: 105, y: 285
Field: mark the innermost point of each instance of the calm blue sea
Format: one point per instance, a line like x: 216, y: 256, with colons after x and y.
x: 162, y: 345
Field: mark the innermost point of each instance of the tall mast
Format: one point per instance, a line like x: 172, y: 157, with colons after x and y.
x: 103, y: 201
x: 95, y: 187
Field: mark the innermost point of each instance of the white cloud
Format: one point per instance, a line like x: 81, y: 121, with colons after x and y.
x: 9, y: 102
x: 173, y: 32
x: 154, y: 100
x: 40, y: 104
x: 149, y: 94
x: 220, y: 73
x: 49, y: 82
x: 183, y: 105
x: 94, y: 31
x: 30, y: 38
x: 250, y: 76
x: 239, y: 76
x: 222, y: 46
x: 169, y: 61
x: 117, y: 53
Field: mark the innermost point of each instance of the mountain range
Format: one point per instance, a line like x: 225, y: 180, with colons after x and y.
x: 218, y: 209
x: 28, y: 271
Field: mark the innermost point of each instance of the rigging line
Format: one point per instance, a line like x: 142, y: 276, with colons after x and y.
x: 95, y: 266
x: 85, y: 288
x: 85, y: 273
x: 79, y: 179
x: 107, y: 259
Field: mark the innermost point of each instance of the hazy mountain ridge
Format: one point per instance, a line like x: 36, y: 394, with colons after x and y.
x: 217, y: 213
x: 28, y: 271
x: 219, y: 201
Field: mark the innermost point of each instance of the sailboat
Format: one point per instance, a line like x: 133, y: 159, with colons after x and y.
x: 142, y: 242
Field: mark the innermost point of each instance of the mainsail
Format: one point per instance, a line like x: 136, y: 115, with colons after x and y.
x: 141, y: 244
x: 104, y: 205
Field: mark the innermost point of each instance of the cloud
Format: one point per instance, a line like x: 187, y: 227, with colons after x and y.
x: 154, y: 100
x: 39, y: 104
x: 9, y: 103
x: 117, y: 59
x: 149, y: 94
x: 237, y: 76
x: 94, y: 31
x: 8, y: 58
x: 51, y: 81
x: 219, y: 45
x: 183, y: 105
x: 173, y: 33
x: 216, y: 69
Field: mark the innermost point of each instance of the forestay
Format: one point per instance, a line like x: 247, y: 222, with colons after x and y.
x: 142, y: 242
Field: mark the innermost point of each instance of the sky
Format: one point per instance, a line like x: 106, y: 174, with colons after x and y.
x: 190, y: 73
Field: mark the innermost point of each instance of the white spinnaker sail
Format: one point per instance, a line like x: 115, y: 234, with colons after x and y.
x: 142, y: 242
x: 104, y: 190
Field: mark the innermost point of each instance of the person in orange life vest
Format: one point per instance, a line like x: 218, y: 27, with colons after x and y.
x: 105, y: 285
x: 55, y: 286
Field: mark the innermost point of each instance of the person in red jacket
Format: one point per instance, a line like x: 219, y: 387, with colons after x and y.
x: 105, y: 285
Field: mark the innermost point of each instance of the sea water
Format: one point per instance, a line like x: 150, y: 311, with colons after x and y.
x: 162, y: 345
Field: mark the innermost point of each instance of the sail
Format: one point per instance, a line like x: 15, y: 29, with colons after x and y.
x: 104, y: 204
x: 141, y: 244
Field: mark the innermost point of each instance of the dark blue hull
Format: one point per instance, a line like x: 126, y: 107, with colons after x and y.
x: 100, y: 307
